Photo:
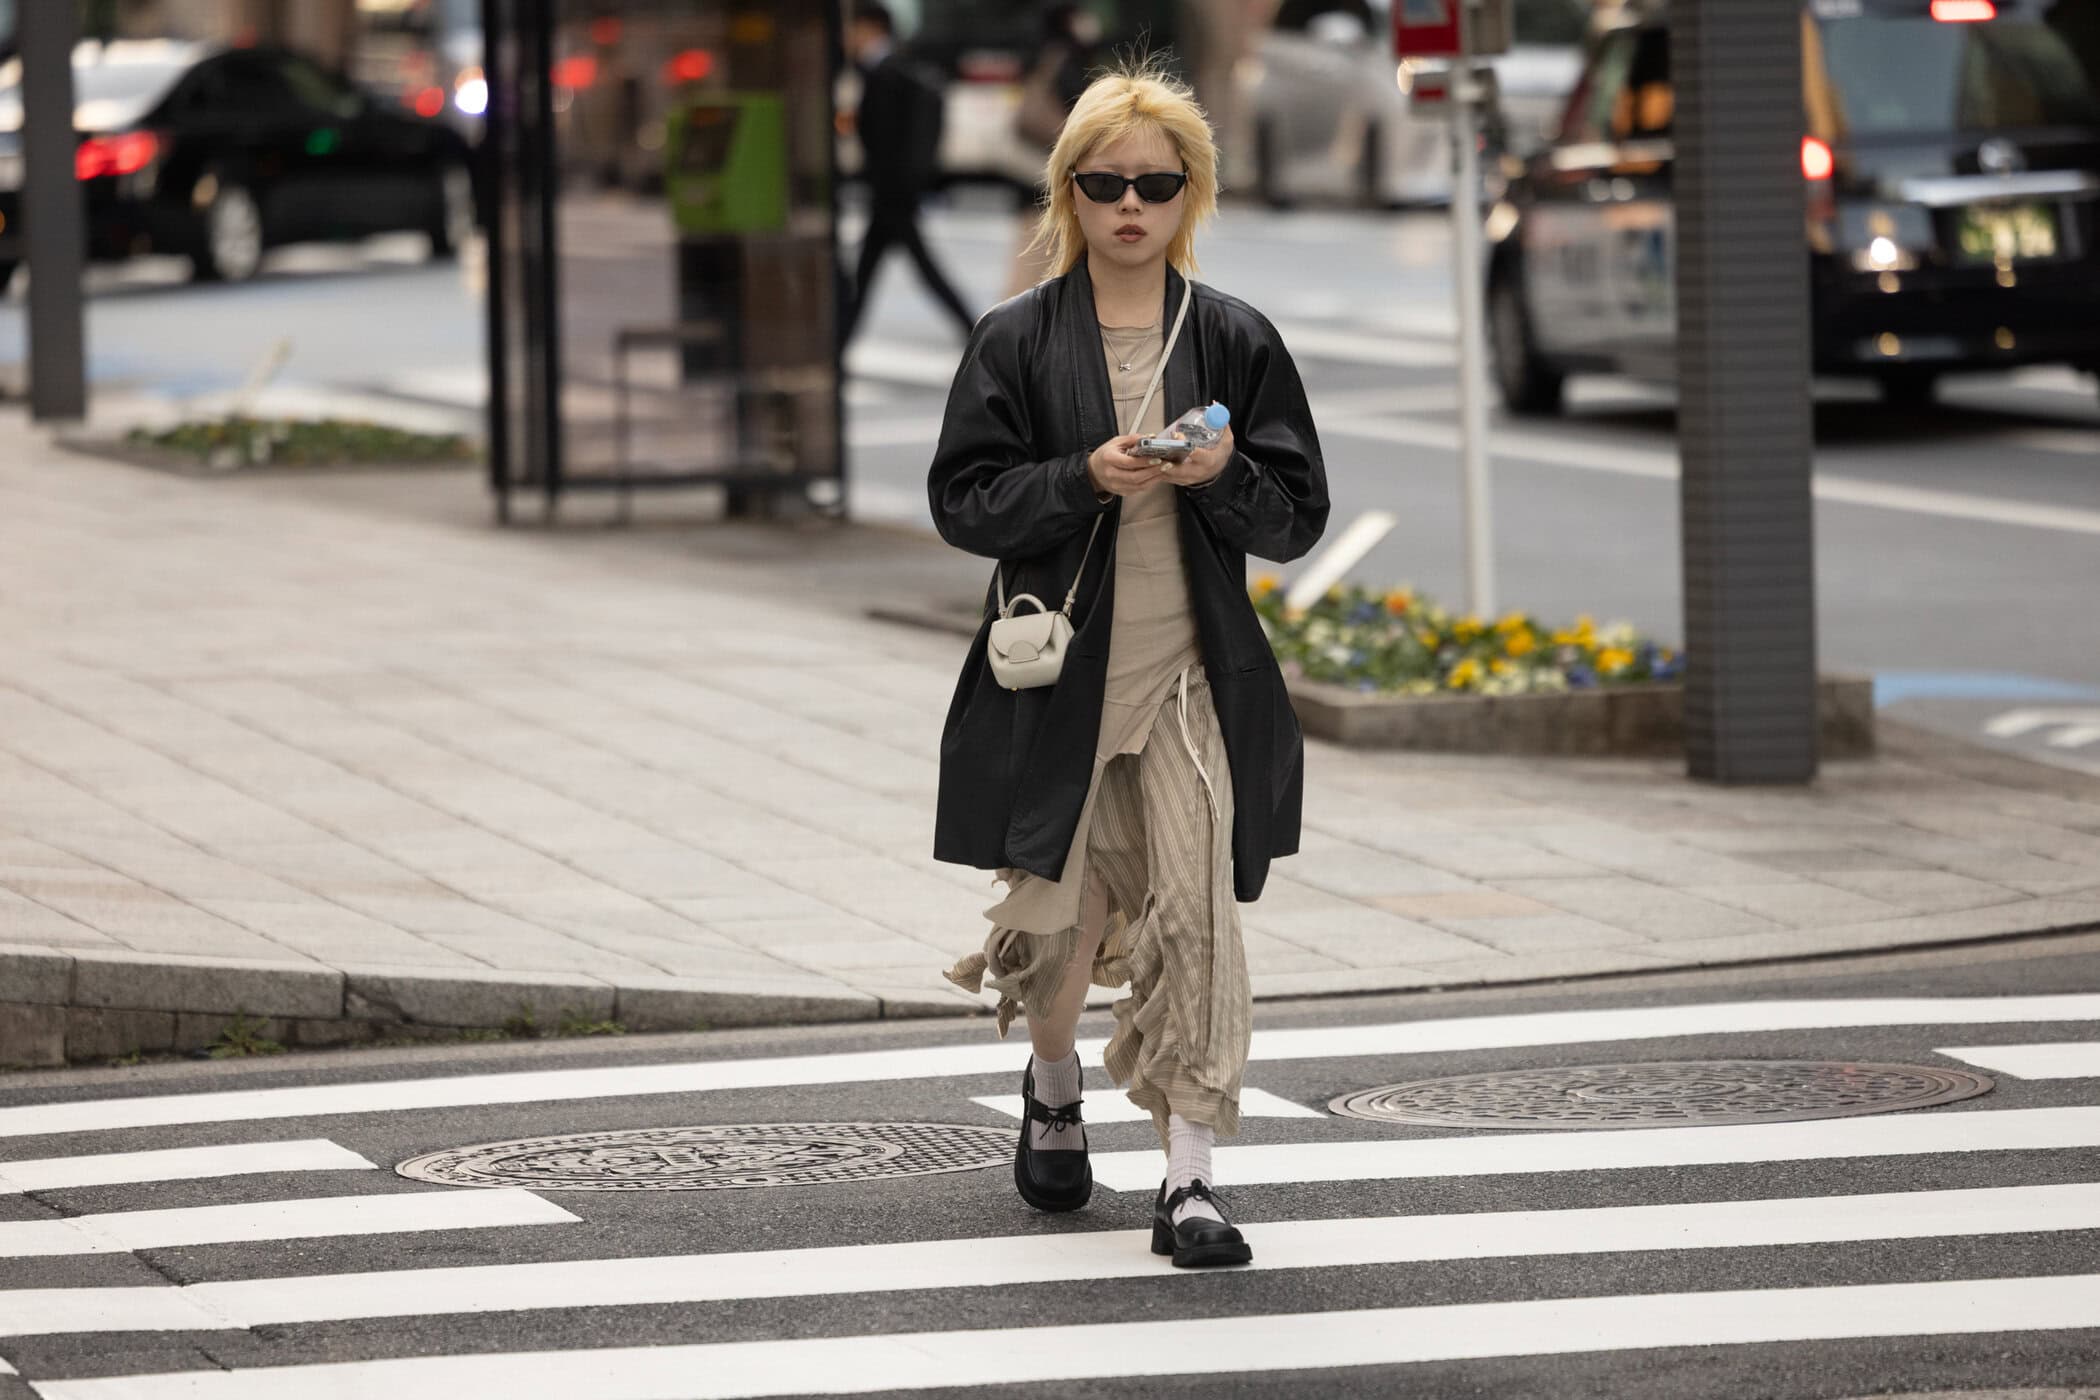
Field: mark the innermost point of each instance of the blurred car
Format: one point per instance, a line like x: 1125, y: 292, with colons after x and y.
x: 1330, y: 107
x: 1952, y: 165
x: 220, y: 154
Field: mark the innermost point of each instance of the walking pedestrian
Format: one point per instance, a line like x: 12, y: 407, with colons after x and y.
x: 1061, y: 71
x: 900, y: 136
x: 1132, y: 803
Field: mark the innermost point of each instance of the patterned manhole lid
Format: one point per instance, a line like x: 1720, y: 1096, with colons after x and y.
x: 1670, y: 1094
x: 718, y: 1158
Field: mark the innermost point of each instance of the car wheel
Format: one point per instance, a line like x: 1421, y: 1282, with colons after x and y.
x: 1371, y: 178
x: 1528, y: 384
x: 232, y: 246
x: 1268, y: 168
x: 456, y: 213
x: 1909, y: 388
x: 7, y: 275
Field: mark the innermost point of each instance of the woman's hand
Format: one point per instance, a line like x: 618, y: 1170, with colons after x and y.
x: 1202, y: 465
x: 1113, y: 470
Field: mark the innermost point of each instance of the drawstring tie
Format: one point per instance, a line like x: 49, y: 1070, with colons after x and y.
x: 1188, y: 740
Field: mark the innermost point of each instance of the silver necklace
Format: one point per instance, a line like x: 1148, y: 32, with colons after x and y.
x: 1121, y: 363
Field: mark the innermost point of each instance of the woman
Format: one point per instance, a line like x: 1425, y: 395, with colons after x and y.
x: 1115, y: 802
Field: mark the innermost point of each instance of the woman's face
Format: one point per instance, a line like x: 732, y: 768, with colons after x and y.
x: 1129, y: 232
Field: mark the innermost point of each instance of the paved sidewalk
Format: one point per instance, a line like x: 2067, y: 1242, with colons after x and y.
x: 334, y: 753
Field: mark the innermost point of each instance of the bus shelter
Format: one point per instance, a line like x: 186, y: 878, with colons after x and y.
x: 663, y: 284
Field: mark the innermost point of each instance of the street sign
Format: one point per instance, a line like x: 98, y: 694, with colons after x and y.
x: 1431, y: 28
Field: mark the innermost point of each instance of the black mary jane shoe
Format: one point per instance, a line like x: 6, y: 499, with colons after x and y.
x: 1050, y: 1180
x: 1197, y: 1242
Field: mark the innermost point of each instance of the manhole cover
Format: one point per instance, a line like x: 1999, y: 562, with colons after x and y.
x: 1671, y: 1094
x: 718, y: 1158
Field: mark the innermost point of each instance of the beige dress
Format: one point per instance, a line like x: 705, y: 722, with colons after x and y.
x: 1154, y: 835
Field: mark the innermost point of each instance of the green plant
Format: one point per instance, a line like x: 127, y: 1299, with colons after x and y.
x: 239, y: 441
x: 136, y: 1057
x: 523, y: 1024
x: 574, y: 1024
x: 243, y: 1037
x: 1398, y: 643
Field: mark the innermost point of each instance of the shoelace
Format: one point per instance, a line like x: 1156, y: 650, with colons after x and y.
x: 1198, y: 1190
x: 1056, y: 1120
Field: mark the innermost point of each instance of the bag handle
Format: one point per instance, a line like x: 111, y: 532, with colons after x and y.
x: 1188, y: 290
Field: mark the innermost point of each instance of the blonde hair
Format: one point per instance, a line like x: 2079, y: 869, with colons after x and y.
x: 1136, y: 97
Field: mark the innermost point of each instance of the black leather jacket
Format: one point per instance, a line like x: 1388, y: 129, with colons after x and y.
x: 1030, y: 402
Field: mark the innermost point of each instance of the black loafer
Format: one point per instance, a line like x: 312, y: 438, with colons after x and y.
x: 1197, y: 1242
x: 1050, y: 1180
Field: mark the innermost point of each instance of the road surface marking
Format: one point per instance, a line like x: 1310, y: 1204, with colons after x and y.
x: 2075, y: 728
x: 326, y: 1217
x: 1607, y: 1149
x: 1254, y: 1103
x: 1326, y: 1042
x: 174, y: 1163
x: 1661, y: 465
x: 2063, y: 1059
x: 1201, y: 1346
x: 1034, y: 1259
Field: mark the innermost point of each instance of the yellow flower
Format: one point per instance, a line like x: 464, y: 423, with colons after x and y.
x: 1613, y: 660
x: 1512, y: 622
x: 1465, y: 674
x: 1499, y: 667
x: 1520, y: 642
x: 1334, y: 593
x: 1428, y: 639
x: 1399, y: 601
x: 1566, y: 637
x: 1585, y: 628
x: 1467, y: 629
x: 1265, y: 585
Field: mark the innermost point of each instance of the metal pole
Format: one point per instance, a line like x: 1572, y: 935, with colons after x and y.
x: 1472, y: 339
x: 54, y: 230
x: 1743, y: 416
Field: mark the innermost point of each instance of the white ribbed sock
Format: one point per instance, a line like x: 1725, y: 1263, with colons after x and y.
x: 1188, y: 1160
x: 1056, y: 1084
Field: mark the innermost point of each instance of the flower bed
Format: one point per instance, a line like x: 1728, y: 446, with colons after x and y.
x: 227, y: 444
x: 1397, y: 643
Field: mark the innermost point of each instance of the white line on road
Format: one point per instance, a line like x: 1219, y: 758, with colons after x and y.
x: 1254, y: 1103
x: 2063, y: 1059
x: 1202, y: 1346
x: 1023, y: 1260
x: 325, y: 1217
x: 949, y: 1061
x: 1589, y: 454
x: 1610, y: 1149
x: 171, y: 1163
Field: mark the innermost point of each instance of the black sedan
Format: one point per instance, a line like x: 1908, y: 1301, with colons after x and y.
x: 219, y: 154
x: 1951, y: 159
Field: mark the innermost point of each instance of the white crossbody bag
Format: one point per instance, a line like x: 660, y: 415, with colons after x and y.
x: 1028, y: 649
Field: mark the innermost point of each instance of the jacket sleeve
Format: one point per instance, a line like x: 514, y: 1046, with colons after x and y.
x: 1271, y: 498
x: 988, y: 493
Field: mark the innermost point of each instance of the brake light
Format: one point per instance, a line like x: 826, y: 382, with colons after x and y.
x: 127, y: 154
x: 688, y: 66
x: 429, y: 102
x: 1963, y: 11
x: 1816, y: 160
x: 579, y: 71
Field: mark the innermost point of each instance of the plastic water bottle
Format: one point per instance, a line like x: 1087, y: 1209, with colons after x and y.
x: 1200, y: 427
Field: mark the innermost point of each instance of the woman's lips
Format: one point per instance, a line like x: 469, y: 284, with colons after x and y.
x: 1130, y: 233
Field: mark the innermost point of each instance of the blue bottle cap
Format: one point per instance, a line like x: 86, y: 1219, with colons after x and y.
x: 1216, y: 416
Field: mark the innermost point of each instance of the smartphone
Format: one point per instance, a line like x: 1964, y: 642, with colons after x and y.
x: 1172, y: 449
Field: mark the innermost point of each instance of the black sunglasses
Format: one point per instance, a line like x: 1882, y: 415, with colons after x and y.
x: 1154, y: 187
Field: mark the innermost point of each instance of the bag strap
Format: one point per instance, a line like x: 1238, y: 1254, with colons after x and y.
x: 1188, y: 291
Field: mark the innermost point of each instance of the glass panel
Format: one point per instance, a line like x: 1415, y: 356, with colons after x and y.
x: 1914, y: 74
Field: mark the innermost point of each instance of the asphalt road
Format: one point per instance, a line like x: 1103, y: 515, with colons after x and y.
x: 1958, y: 549
x: 1944, y: 1249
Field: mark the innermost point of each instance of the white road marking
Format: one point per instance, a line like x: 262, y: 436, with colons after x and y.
x: 946, y: 1061
x: 2063, y: 1059
x: 1309, y: 342
x: 1254, y: 1103
x: 2002, y: 1130
x: 1203, y: 1346
x: 1023, y: 1260
x: 1626, y: 460
x: 903, y: 363
x: 172, y: 1163
x: 325, y: 1217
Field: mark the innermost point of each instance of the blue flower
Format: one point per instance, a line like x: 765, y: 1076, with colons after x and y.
x: 1359, y: 657
x: 1581, y: 677
x: 1367, y: 685
x: 1363, y: 612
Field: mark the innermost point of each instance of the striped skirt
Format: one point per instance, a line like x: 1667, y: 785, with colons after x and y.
x: 1155, y: 838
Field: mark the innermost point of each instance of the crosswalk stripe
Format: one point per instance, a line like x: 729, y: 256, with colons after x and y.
x: 1403, y: 1038
x: 176, y: 1164
x: 1021, y: 1260
x: 2002, y: 1130
x: 1196, y: 1346
x: 2063, y: 1059
x: 116, y: 1232
x: 1113, y: 1108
